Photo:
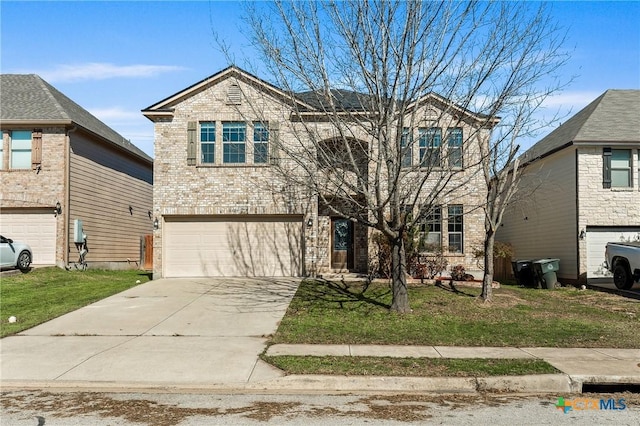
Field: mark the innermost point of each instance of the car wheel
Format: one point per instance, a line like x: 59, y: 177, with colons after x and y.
x: 622, y: 277
x: 24, y: 260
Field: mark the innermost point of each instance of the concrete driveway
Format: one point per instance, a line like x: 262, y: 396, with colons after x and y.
x: 168, y: 332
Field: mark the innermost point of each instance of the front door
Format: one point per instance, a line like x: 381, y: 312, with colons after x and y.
x: 341, y: 244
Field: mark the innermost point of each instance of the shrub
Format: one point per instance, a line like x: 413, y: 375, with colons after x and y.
x: 458, y: 273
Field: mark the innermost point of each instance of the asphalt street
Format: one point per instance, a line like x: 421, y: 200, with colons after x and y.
x: 21, y: 408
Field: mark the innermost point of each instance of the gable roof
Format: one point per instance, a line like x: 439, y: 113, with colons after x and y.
x: 613, y: 117
x: 165, y: 106
x: 308, y: 102
x: 28, y: 99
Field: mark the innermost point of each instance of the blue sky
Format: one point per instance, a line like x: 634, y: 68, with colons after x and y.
x: 116, y: 58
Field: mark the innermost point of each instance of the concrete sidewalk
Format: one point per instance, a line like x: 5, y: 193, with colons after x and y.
x: 207, y: 335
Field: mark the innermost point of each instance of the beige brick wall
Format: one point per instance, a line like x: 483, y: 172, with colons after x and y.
x: 31, y: 188
x: 180, y: 189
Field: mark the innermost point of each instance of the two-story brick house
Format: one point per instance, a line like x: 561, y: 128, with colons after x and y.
x: 59, y: 164
x: 222, y: 210
x: 580, y: 189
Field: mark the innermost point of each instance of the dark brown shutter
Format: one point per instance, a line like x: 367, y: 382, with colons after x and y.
x: 36, y: 148
x: 606, y: 168
x: 274, y: 142
x: 192, y: 140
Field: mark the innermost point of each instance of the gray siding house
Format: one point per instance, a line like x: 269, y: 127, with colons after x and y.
x: 580, y: 189
x: 59, y: 163
x: 223, y: 211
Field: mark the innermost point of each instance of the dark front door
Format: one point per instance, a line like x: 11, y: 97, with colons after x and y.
x: 341, y: 244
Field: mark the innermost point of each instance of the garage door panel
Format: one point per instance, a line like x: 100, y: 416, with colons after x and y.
x: 597, y: 239
x: 258, y: 246
x: 38, y: 229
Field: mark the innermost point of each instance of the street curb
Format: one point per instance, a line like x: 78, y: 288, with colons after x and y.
x: 324, y: 384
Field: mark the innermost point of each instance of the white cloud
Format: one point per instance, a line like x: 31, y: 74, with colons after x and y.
x: 115, y: 114
x: 575, y: 100
x: 103, y: 71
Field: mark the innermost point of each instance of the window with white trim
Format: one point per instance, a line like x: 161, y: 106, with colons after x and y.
x: 617, y: 168
x: 233, y: 142
x: 207, y: 142
x: 431, y: 227
x: 406, y: 146
x: 455, y: 228
x: 20, y: 149
x: 430, y: 140
x: 260, y: 143
x: 454, y: 146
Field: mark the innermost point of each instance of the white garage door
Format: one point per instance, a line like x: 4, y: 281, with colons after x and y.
x: 232, y: 246
x: 597, y: 239
x: 36, y: 228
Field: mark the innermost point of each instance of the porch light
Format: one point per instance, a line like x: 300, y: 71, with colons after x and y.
x: 57, y: 210
x: 155, y: 224
x: 310, y: 222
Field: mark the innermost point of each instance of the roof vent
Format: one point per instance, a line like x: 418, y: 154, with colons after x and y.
x: 234, y: 95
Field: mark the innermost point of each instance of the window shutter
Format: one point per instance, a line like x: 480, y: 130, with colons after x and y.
x: 274, y: 141
x: 606, y: 168
x: 192, y: 140
x: 36, y: 148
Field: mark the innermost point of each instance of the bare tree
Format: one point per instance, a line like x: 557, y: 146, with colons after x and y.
x: 362, y: 74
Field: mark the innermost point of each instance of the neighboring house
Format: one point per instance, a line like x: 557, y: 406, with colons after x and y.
x: 219, y: 207
x: 59, y: 163
x: 580, y: 189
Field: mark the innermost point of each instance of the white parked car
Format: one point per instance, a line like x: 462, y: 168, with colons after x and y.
x: 14, y: 254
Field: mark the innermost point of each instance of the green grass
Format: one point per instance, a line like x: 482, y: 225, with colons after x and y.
x: 403, y: 367
x: 46, y: 293
x: 336, y: 313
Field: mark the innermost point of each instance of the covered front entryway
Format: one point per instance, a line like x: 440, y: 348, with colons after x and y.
x: 597, y: 239
x: 232, y: 246
x: 35, y: 227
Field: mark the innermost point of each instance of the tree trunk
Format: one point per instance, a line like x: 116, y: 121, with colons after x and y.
x: 487, y: 279
x: 400, y: 302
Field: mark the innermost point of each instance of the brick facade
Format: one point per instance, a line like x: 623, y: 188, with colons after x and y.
x: 181, y: 189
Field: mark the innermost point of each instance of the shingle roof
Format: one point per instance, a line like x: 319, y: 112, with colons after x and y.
x: 613, y: 117
x: 27, y: 97
x: 344, y: 100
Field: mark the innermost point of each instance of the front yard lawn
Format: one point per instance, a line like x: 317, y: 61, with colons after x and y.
x: 338, y: 313
x: 46, y: 293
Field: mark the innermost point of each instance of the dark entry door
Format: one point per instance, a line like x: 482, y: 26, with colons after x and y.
x: 341, y: 244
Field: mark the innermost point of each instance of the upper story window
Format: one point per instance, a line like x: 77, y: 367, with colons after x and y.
x: 617, y: 166
x: 233, y: 142
x: 431, y: 227
x: 207, y: 142
x: 455, y: 228
x: 406, y: 146
x: 260, y: 143
x: 20, y: 149
x: 430, y: 140
x: 454, y: 145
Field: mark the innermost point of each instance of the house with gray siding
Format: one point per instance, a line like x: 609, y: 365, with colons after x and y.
x: 580, y: 189
x: 223, y: 211
x: 58, y: 165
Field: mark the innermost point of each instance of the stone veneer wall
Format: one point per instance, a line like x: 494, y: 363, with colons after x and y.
x: 600, y: 206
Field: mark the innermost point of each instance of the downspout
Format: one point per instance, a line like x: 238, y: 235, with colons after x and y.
x: 67, y: 195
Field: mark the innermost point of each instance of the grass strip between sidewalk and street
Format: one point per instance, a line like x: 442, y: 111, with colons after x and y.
x: 408, y: 367
x: 46, y: 293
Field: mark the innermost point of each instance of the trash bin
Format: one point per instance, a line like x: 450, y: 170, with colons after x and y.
x: 545, y: 272
x: 523, y: 271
